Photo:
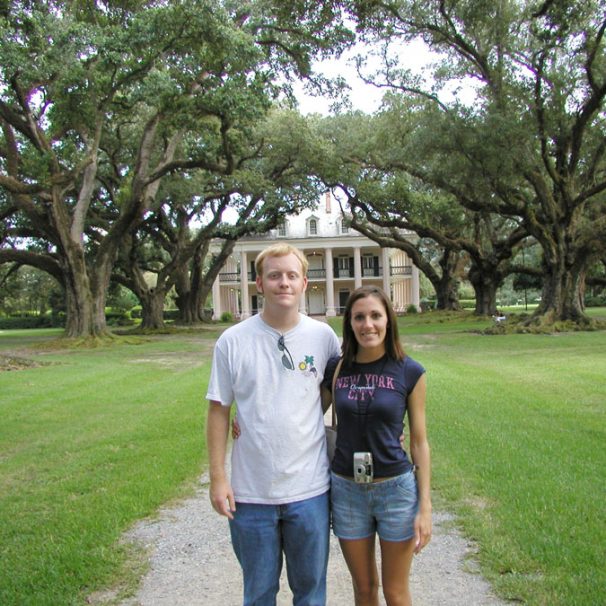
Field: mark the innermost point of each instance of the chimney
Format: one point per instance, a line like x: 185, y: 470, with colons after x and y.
x: 327, y: 198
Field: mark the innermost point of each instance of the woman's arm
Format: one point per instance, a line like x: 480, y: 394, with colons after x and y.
x: 419, y: 450
x: 326, y: 396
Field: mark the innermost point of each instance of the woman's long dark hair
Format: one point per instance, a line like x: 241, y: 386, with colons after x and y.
x: 393, y: 347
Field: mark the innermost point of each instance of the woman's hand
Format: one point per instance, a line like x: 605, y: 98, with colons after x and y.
x: 422, y: 530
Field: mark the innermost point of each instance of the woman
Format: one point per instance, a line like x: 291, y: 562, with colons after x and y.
x: 376, y: 488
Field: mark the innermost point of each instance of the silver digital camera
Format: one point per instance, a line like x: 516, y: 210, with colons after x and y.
x: 362, y: 467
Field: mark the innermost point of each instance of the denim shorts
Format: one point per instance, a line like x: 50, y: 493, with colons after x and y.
x: 388, y: 508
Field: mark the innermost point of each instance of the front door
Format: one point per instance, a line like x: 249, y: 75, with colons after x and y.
x: 315, y: 302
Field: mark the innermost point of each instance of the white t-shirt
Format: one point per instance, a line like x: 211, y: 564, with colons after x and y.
x: 280, y: 456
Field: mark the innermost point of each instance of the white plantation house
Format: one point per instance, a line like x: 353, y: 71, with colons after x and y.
x: 340, y: 260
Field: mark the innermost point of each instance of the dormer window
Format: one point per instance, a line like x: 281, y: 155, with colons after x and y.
x: 312, y: 226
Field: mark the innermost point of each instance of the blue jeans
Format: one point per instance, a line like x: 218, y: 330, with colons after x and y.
x: 259, y: 535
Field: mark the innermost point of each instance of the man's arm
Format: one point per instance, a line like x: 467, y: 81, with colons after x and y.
x: 217, y: 428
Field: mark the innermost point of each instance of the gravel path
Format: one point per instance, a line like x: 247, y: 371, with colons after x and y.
x: 192, y: 564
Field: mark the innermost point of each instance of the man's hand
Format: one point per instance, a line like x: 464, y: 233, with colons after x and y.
x: 222, y: 498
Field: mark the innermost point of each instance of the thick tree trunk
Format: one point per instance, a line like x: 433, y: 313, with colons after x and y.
x: 190, y: 311
x: 561, y: 295
x: 152, y: 308
x: 191, y: 301
x: 446, y: 285
x: 486, y: 299
x: 447, y: 298
x: 85, y: 313
x: 186, y: 300
x: 194, y: 288
x: 485, y: 285
x: 188, y: 305
x: 78, y: 308
x: 564, y: 270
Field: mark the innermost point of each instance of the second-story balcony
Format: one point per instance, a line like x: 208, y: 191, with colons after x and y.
x: 401, y: 270
x: 320, y: 274
x: 229, y: 276
x: 316, y: 274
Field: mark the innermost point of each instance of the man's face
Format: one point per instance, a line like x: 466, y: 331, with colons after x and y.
x: 282, y: 283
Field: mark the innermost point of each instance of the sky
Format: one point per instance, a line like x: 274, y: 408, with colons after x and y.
x: 365, y: 97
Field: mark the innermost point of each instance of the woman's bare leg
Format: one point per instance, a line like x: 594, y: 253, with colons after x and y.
x: 396, y: 560
x: 361, y: 561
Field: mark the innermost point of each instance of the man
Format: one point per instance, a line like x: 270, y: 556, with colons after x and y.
x: 272, y: 365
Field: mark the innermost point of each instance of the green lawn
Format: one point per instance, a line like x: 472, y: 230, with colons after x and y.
x: 517, y: 428
x: 90, y: 442
x: 94, y: 439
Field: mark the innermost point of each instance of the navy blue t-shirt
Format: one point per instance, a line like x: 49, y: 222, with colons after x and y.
x: 371, y: 401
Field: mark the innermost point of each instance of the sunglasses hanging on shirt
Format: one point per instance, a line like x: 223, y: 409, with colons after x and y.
x: 287, y: 360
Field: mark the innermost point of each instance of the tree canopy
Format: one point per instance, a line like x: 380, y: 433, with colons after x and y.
x: 531, y: 148
x: 128, y: 128
x: 102, y: 102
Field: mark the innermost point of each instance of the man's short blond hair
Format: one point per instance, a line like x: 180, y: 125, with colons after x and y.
x: 280, y: 249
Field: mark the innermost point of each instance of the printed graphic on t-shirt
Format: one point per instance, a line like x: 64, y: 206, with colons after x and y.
x: 361, y: 387
x: 306, y: 366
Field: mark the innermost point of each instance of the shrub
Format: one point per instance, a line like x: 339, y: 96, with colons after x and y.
x: 227, y: 316
x: 172, y: 315
x: 118, y: 318
x: 595, y: 300
x: 411, y: 309
x: 30, y: 321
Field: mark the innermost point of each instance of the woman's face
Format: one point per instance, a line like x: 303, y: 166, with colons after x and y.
x: 369, y: 322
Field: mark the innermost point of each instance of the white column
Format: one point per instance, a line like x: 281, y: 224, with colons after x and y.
x: 217, y: 311
x: 386, y: 270
x: 330, y: 283
x: 237, y: 305
x: 416, y: 300
x: 357, y: 267
x: 245, y: 311
x: 302, y: 307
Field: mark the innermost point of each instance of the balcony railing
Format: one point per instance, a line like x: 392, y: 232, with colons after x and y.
x: 316, y: 274
x: 320, y: 274
x: 344, y: 273
x: 401, y: 270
